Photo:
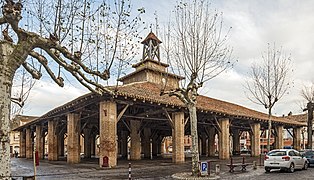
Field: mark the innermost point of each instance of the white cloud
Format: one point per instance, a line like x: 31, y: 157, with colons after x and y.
x: 45, y: 96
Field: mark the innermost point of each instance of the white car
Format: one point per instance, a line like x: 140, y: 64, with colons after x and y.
x: 285, y: 159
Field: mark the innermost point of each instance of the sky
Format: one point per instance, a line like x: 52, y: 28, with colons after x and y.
x: 287, y: 23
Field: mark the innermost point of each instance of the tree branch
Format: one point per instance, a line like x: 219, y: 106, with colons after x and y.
x: 48, y: 44
x: 43, y: 61
x: 75, y: 71
x: 2, y: 20
x: 35, y: 74
x: 178, y: 93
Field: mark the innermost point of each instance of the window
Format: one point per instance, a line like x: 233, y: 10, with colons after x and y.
x: 297, y: 153
x: 277, y: 153
x: 292, y: 153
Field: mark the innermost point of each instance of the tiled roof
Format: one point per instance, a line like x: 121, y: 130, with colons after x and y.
x: 150, y: 60
x: 151, y: 35
x: 150, y: 69
x: 151, y: 92
x: 298, y: 117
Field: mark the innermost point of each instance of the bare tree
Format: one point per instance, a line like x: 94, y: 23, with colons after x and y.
x: 22, y: 86
x: 308, y: 94
x: 62, y: 42
x: 197, y: 50
x: 269, y: 81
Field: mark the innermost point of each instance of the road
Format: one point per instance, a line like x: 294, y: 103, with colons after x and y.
x: 145, y: 169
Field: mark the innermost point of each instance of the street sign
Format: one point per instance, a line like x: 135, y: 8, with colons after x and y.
x: 204, y: 169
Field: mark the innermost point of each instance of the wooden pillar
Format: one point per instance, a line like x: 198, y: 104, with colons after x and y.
x: 178, y: 137
x: 236, y: 146
x: 255, y: 139
x: 146, y: 143
x: 211, y: 141
x: 87, y: 143
x: 203, y: 144
x: 124, y: 144
x: 224, y: 141
x: 135, y: 148
x: 108, y: 132
x: 61, y: 144
x: 93, y: 145
x: 29, y: 144
x: 40, y: 143
x: 279, y: 137
x: 155, y: 147
x: 22, y: 153
x: 297, y: 138
x: 73, y: 143
x: 52, y: 140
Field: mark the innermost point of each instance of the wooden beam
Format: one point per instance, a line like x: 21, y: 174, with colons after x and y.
x: 217, y: 123
x: 84, y: 126
x: 186, y: 120
x: 151, y: 112
x: 168, y: 118
x: 251, y: 129
x: 290, y: 133
x: 126, y: 125
x: 206, y: 131
x: 122, y: 112
x: 145, y: 118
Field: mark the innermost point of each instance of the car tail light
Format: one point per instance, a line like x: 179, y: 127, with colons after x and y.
x: 286, y: 158
x: 266, y: 157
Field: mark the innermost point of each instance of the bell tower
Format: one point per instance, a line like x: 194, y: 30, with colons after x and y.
x: 151, y: 47
x: 150, y: 68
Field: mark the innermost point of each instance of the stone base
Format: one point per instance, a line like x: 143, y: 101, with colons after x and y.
x: 187, y: 176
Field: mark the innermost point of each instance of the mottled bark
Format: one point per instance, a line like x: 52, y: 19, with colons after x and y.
x: 269, y: 130
x: 194, y: 136
x: 7, y: 70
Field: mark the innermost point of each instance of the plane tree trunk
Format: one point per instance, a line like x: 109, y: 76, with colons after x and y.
x: 8, y: 66
x: 194, y: 135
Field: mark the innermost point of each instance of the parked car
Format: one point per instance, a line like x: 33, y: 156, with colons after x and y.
x: 310, y: 157
x: 303, y: 151
x: 285, y: 159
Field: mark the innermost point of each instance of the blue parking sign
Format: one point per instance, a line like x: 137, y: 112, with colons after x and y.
x: 204, y: 168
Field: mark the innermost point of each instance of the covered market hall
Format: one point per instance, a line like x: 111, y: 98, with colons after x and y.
x: 137, y: 119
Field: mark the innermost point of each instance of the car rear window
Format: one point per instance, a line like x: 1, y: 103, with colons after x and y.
x: 277, y: 153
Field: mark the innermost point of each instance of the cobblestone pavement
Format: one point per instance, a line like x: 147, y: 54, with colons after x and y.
x: 145, y: 169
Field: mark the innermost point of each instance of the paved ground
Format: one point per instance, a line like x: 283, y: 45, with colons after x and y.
x: 144, y: 169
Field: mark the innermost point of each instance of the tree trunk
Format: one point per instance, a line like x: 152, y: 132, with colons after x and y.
x: 269, y: 129
x: 194, y: 136
x: 8, y: 67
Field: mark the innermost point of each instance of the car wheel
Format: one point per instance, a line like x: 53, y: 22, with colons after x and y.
x: 306, y: 165
x: 291, y: 168
x: 267, y: 170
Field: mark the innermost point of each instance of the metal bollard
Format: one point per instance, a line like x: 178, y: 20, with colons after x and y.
x: 217, y: 169
x: 254, y: 165
x: 130, y: 177
x: 260, y: 159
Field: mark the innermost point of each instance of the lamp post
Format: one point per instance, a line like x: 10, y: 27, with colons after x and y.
x: 309, y: 124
